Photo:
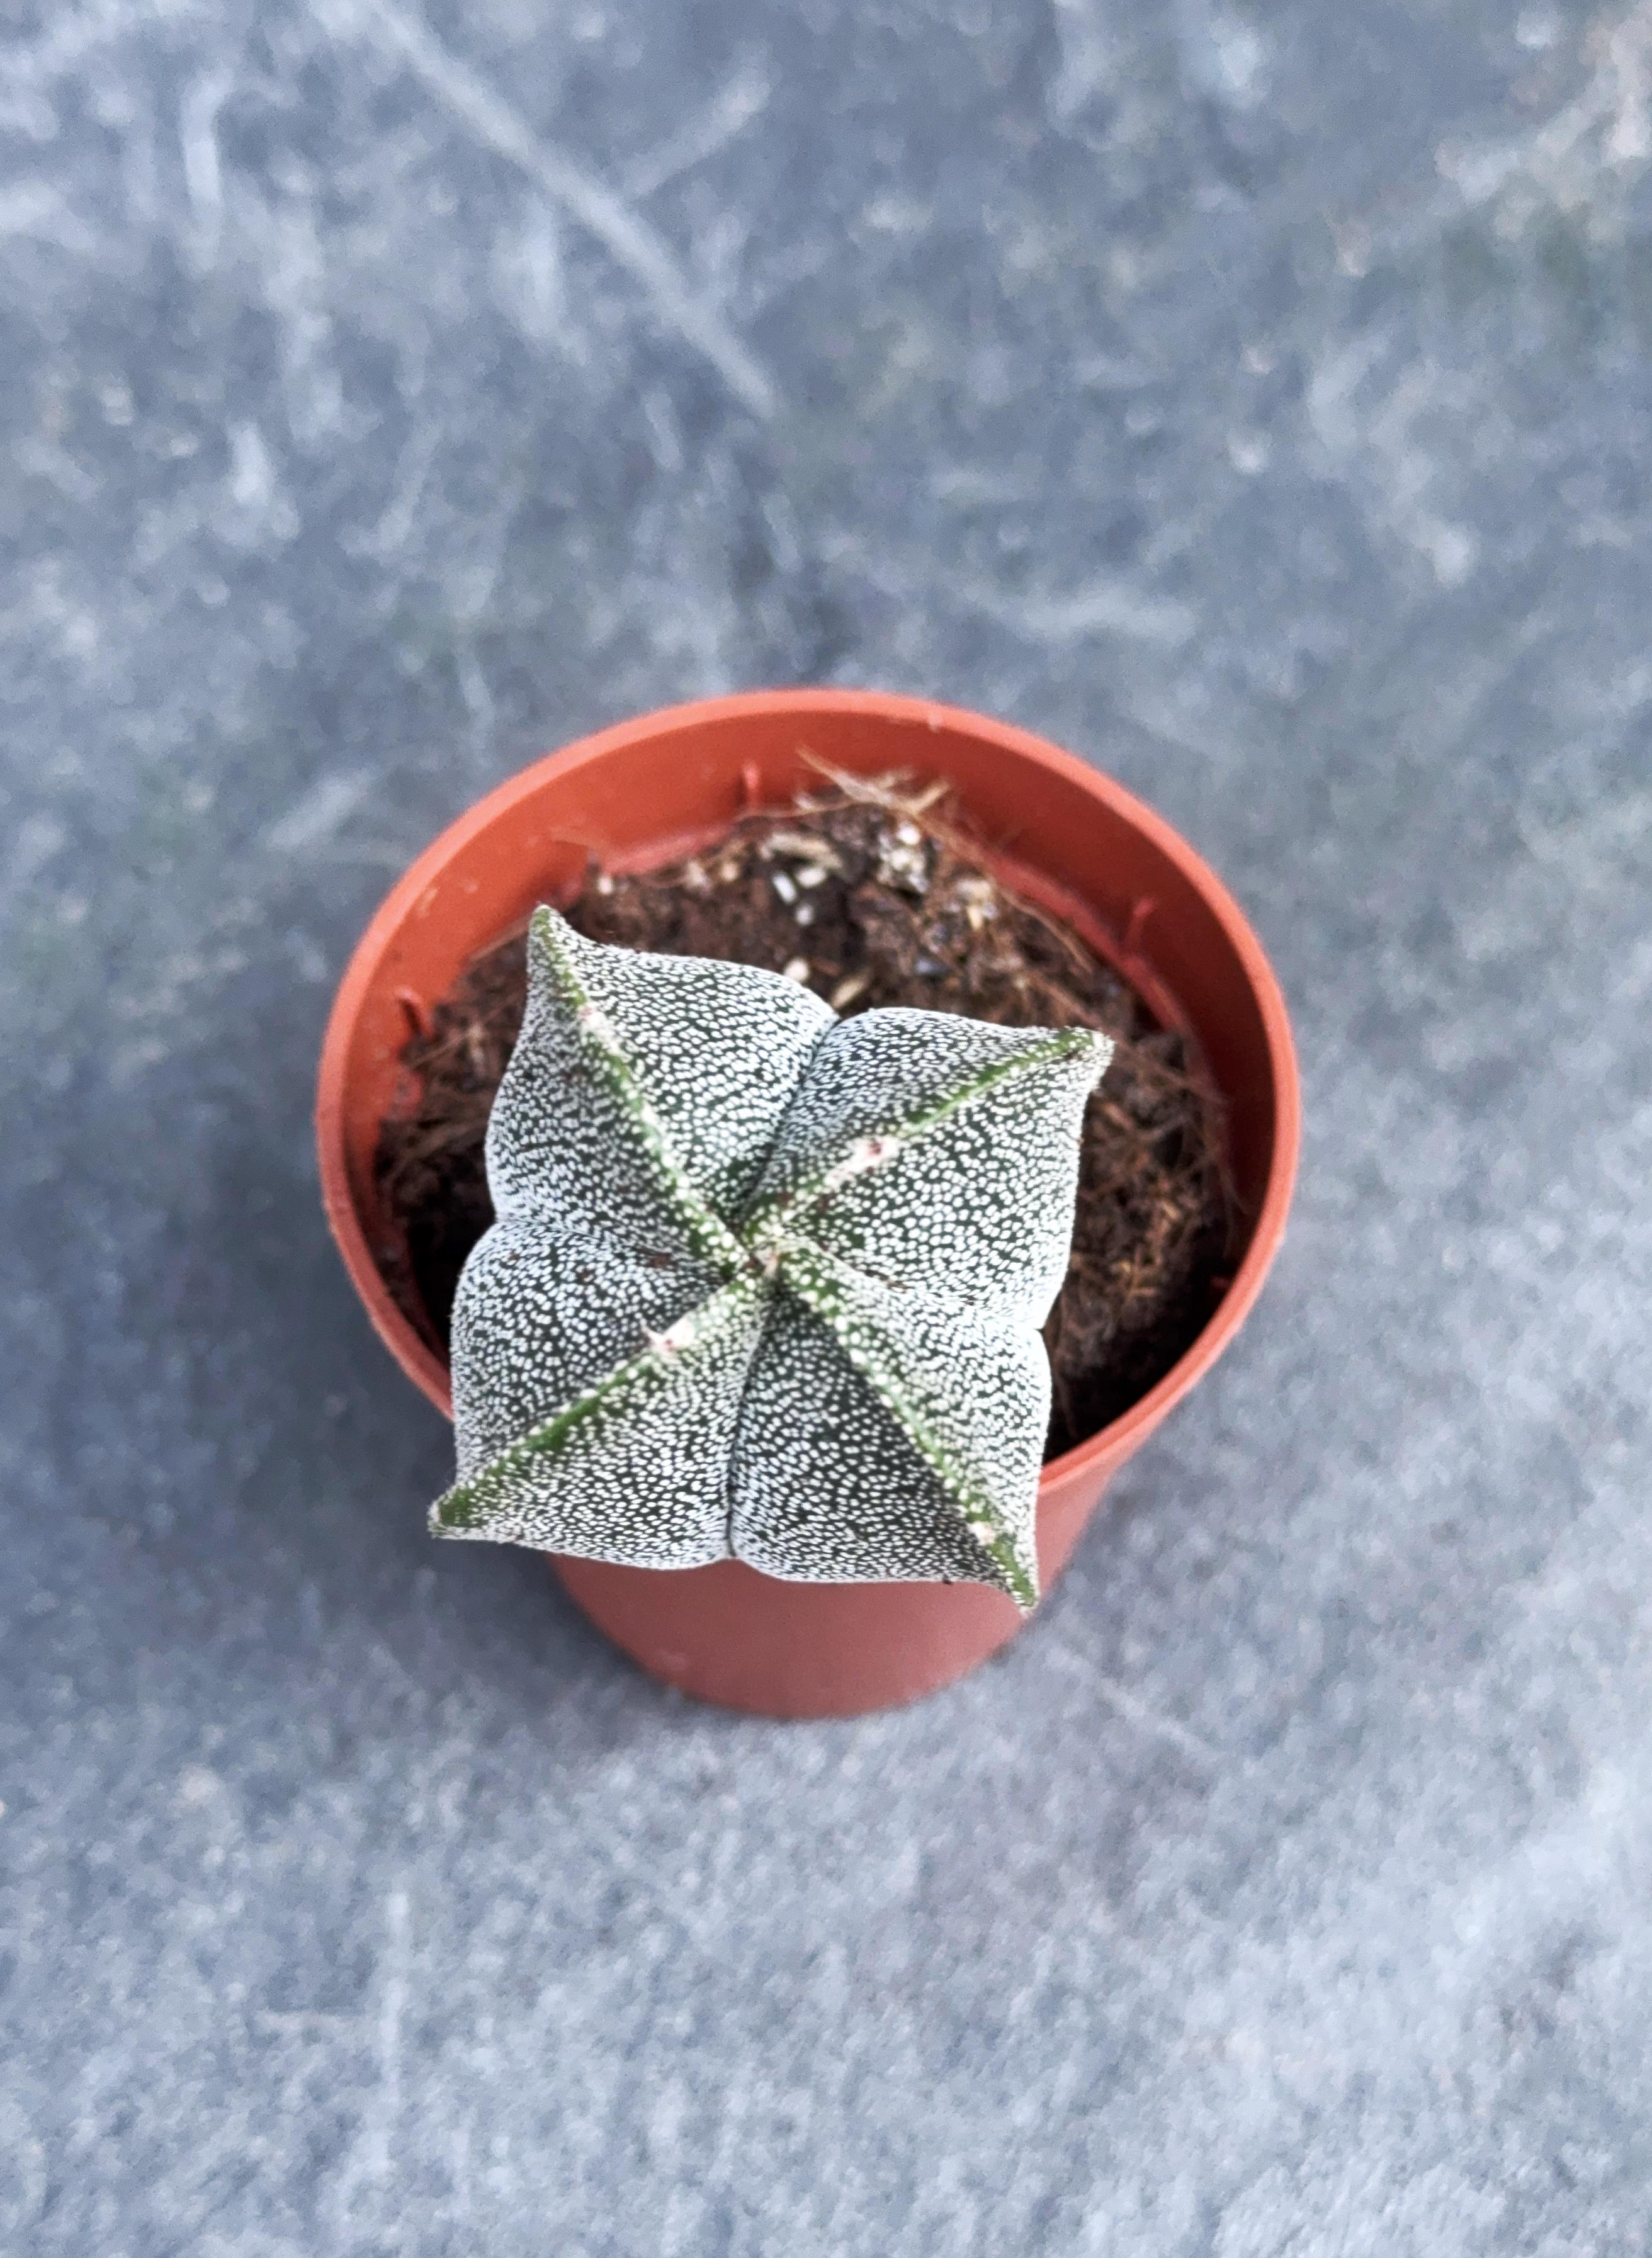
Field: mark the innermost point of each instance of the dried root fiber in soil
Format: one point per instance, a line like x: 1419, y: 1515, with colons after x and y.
x: 868, y: 893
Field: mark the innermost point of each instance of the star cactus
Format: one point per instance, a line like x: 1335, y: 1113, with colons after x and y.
x: 763, y: 1283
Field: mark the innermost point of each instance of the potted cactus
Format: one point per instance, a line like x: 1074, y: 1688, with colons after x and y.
x: 751, y: 1346
x: 764, y: 1284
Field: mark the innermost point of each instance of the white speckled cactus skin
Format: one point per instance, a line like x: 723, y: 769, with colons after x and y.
x: 763, y: 1283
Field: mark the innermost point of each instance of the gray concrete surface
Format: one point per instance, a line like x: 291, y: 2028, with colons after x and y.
x: 1253, y: 396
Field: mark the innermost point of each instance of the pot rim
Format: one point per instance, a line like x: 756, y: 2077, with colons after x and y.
x: 1111, y: 1443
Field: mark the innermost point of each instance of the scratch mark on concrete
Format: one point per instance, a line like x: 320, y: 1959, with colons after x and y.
x: 317, y: 814
x: 389, y: 536
x: 202, y: 174
x: 1120, y: 1698
x: 627, y: 238
x: 392, y: 2010
x: 1134, y: 1710
x: 730, y: 111
x: 1103, y: 607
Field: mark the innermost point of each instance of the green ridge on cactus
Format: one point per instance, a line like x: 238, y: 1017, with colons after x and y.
x: 763, y: 1283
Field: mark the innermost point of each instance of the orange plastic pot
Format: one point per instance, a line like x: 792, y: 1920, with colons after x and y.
x: 659, y: 787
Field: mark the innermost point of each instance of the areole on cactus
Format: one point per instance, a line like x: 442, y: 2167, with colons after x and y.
x: 763, y: 1282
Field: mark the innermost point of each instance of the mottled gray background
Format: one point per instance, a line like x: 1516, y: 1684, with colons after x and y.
x: 1252, y: 396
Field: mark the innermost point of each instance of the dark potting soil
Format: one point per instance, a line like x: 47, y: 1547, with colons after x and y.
x: 871, y: 894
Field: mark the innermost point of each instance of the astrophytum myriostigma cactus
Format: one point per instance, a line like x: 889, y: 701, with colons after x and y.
x: 763, y: 1282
